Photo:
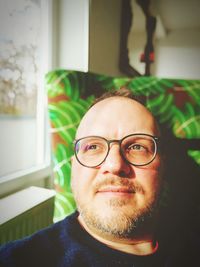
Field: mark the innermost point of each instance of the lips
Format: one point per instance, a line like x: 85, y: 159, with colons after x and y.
x: 117, y: 185
x: 115, y: 189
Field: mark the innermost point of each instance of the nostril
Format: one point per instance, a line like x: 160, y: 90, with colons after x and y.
x: 125, y: 172
x: 122, y: 174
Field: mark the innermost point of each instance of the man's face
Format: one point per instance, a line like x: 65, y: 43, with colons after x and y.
x: 115, y: 197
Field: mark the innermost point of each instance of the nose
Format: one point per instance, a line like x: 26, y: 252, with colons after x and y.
x: 115, y: 163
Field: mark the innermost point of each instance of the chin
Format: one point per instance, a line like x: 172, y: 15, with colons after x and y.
x: 115, y: 220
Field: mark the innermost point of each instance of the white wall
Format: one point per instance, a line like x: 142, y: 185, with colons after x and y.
x: 104, y: 41
x: 178, y: 55
x: 87, y: 35
x: 72, y: 34
x: 88, y: 38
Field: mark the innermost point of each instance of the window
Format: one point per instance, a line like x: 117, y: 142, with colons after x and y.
x: 25, y: 57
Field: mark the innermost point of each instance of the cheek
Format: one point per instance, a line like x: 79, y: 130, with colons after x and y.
x: 81, y: 178
x: 150, y: 177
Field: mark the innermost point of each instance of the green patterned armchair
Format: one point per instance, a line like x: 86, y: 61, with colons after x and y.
x: 175, y: 103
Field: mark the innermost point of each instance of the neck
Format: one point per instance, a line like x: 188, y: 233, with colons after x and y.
x: 145, y: 245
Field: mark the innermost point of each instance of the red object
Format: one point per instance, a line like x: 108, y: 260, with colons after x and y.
x: 151, y: 57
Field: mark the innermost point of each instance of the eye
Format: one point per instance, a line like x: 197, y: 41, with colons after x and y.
x: 136, y: 147
x: 91, y: 147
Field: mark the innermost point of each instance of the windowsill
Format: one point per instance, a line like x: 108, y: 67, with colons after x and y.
x: 26, y: 199
x: 14, y: 182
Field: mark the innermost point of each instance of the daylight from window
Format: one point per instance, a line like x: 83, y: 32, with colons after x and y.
x: 20, y: 82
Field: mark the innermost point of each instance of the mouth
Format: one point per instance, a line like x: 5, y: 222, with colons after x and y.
x: 116, y: 190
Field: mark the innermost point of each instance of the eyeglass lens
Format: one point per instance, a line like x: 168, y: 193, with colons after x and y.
x: 136, y: 149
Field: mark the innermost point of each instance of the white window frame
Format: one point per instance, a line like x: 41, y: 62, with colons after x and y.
x: 40, y: 174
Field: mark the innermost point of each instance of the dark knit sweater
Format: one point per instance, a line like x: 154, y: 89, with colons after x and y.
x: 66, y: 244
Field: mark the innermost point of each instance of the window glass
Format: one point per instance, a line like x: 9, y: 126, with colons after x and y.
x: 23, y: 62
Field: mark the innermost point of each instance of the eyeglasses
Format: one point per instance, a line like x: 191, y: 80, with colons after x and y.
x: 136, y: 149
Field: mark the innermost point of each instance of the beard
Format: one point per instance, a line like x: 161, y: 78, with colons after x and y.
x: 116, y: 217
x: 118, y: 224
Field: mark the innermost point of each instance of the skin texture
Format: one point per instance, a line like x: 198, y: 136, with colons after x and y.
x: 117, y: 201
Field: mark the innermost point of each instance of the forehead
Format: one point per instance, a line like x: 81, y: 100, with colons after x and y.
x: 116, y: 117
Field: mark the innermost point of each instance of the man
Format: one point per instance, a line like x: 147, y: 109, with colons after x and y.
x: 116, y: 180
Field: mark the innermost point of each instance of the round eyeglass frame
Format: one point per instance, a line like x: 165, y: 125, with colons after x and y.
x: 119, y: 141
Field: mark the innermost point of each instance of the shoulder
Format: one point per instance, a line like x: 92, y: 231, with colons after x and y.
x: 40, y: 249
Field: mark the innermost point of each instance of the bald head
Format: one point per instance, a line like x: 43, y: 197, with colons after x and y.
x: 115, y: 117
